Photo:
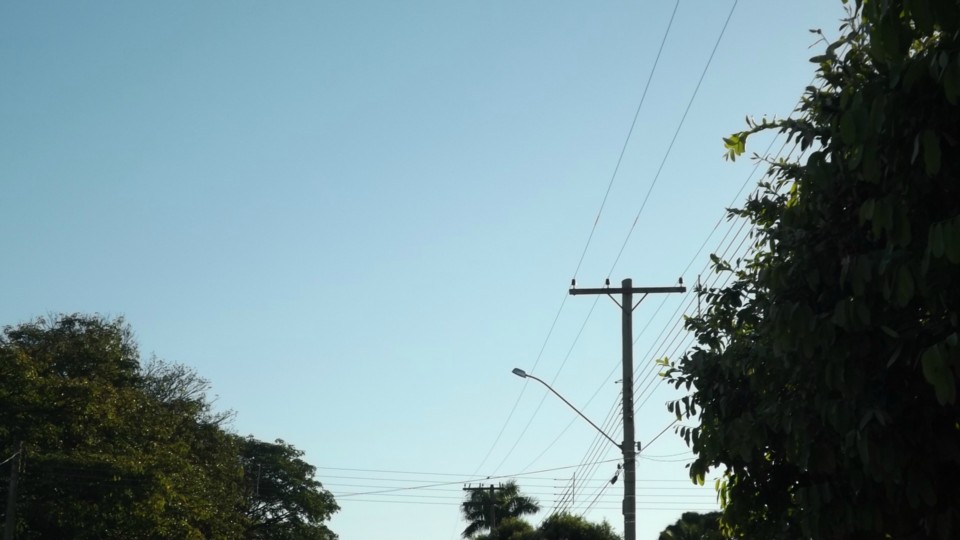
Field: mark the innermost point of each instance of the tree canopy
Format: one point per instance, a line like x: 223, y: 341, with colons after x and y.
x: 694, y: 526
x: 113, y: 449
x: 282, y: 500
x: 561, y: 526
x: 566, y: 526
x: 824, y: 377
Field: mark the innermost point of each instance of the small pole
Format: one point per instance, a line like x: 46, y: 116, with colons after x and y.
x: 9, y: 527
x: 490, y: 504
x: 493, y: 511
x: 698, y: 295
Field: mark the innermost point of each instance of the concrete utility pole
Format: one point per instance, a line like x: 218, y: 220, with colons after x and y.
x: 9, y: 528
x: 628, y: 447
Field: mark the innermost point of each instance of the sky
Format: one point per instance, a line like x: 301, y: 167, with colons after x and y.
x: 355, y: 218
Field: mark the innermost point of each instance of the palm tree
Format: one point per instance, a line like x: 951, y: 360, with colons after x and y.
x: 507, y: 502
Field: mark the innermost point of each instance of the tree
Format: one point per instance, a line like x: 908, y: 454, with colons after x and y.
x: 510, y: 529
x: 116, y: 450
x: 694, y: 526
x: 104, y: 459
x: 506, y: 501
x: 565, y: 526
x: 824, y: 376
x: 562, y: 526
x: 283, y: 501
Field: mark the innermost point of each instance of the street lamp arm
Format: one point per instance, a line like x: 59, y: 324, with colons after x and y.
x: 527, y: 375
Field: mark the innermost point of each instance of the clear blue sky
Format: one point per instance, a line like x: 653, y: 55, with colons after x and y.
x: 355, y: 218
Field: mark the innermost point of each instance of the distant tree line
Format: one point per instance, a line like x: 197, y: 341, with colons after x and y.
x: 116, y: 448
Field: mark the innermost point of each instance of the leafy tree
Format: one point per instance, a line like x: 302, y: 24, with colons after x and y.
x: 114, y: 450
x: 565, y: 526
x: 283, y: 501
x: 824, y: 379
x: 103, y: 459
x: 694, y: 526
x: 507, y: 502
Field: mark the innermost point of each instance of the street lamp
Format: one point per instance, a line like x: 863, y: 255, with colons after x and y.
x: 524, y: 375
x: 629, y: 481
x: 629, y: 484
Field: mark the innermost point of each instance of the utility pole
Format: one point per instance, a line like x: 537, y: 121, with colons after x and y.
x: 628, y: 447
x: 9, y: 527
x: 491, y: 505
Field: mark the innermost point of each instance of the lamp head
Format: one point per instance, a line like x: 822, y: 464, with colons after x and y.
x: 519, y: 372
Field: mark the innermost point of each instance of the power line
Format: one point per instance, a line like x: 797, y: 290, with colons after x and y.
x: 439, y: 484
x: 676, y: 133
x: 678, y: 505
x: 674, y: 139
x: 522, y: 388
x: 585, y: 247
x: 552, y: 381
x: 387, y: 471
x: 626, y: 142
x: 766, y: 153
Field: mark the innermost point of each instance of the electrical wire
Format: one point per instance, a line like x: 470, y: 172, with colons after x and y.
x: 677, y: 326
x: 522, y: 388
x: 626, y: 142
x: 439, y: 484
x: 552, y: 382
x: 585, y: 247
x: 673, y: 140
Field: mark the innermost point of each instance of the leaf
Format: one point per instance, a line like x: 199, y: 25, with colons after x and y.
x: 735, y: 144
x: 866, y: 210
x: 951, y: 240
x: 935, y: 371
x: 920, y: 9
x: 895, y: 355
x: 904, y: 286
x: 902, y: 234
x: 848, y: 128
x: 935, y: 240
x: 840, y: 314
x: 863, y: 450
x: 951, y: 82
x: 931, y: 152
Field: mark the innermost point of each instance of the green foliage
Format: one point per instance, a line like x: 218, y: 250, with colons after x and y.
x: 113, y: 450
x: 283, y: 501
x: 510, y: 529
x: 506, y: 502
x: 824, y: 379
x: 694, y: 526
x: 562, y: 526
x: 566, y: 526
